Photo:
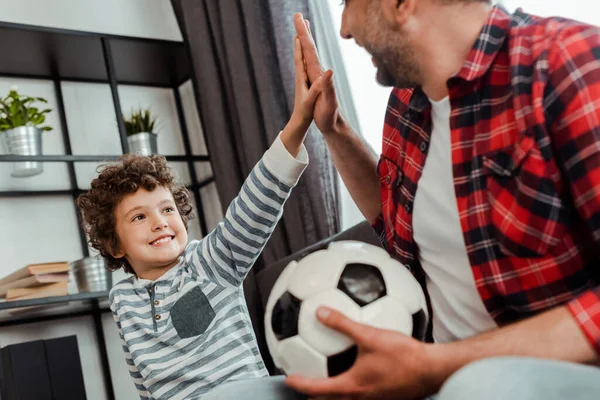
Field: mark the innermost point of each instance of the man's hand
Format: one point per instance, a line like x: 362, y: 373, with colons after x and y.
x: 326, y: 113
x: 389, y: 365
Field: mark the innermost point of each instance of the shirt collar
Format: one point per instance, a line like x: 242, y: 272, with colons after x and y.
x: 145, y: 284
x: 482, y: 54
x: 490, y: 41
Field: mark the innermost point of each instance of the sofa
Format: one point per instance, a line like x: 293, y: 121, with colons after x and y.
x: 258, y: 287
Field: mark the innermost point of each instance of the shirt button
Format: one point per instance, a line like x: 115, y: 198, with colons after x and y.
x: 155, y: 302
x: 150, y: 290
x: 407, y: 207
x: 157, y: 317
x: 423, y: 146
x: 388, y: 179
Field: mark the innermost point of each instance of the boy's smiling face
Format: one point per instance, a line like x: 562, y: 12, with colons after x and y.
x: 151, y: 232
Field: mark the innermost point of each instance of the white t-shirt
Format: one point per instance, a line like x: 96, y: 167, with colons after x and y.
x: 458, y: 311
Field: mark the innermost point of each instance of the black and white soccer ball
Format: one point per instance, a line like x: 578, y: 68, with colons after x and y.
x: 361, y: 281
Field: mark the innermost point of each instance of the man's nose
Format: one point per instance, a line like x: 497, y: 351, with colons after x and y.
x: 344, y: 32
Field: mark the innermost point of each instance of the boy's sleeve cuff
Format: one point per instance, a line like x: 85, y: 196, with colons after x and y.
x: 283, y: 165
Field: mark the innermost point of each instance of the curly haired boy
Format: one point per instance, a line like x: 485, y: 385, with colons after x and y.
x: 181, y: 314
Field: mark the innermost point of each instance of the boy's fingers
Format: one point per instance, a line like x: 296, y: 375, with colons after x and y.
x: 314, y: 90
x: 299, y: 62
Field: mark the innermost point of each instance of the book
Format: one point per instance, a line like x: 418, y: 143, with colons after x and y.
x: 36, y: 269
x: 52, y: 289
x: 34, y: 280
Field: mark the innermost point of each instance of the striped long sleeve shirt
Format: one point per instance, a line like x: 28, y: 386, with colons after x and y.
x: 189, y: 331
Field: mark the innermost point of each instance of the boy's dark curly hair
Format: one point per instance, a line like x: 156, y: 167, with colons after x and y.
x: 116, y: 180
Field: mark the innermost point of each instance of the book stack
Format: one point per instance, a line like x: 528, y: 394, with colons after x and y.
x: 36, y: 281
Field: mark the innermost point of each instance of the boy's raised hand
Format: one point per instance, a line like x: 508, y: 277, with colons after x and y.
x: 306, y: 95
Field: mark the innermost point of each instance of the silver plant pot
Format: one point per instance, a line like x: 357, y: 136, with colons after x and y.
x: 91, y: 275
x: 143, y: 143
x: 24, y: 141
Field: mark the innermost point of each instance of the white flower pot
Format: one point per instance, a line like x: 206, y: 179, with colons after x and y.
x: 24, y: 141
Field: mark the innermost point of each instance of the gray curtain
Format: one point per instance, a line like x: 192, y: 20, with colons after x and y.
x: 243, y: 78
x: 242, y: 56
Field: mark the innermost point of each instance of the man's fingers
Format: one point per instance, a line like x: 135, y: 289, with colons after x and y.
x: 313, y: 65
x: 341, y: 385
x: 360, y: 333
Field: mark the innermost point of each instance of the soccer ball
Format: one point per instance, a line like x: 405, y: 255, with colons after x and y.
x: 361, y: 281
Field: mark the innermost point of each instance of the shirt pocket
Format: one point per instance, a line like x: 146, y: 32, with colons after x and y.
x: 192, y: 314
x: 527, y: 214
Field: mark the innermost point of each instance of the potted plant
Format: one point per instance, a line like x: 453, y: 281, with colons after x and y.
x: 21, y: 130
x: 139, y: 126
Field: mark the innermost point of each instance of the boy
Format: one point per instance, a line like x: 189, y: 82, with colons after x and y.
x: 181, y: 315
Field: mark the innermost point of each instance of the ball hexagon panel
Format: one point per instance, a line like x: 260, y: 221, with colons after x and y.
x: 285, y: 316
x: 388, y: 313
x: 401, y: 285
x: 323, y: 339
x: 363, y: 283
x: 297, y: 357
x: 316, y: 273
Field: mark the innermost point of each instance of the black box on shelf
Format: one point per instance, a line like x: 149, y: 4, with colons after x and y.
x: 25, y: 372
x: 42, y: 370
x: 64, y: 367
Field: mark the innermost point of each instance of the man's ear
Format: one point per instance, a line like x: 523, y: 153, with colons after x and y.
x: 397, y: 11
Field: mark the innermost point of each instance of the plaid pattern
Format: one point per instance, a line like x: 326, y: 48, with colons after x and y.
x: 525, y: 127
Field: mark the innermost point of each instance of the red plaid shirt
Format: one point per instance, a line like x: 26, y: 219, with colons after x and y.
x: 525, y: 126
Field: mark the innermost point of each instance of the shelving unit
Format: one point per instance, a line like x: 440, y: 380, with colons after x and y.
x: 59, y: 56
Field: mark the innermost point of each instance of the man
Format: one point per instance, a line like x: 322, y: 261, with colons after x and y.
x: 488, y: 189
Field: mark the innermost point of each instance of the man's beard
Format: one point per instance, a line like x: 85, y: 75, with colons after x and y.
x: 394, y: 70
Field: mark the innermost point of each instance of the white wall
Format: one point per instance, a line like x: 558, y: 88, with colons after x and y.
x: 45, y: 228
x: 581, y: 10
x: 370, y: 101
x: 141, y: 18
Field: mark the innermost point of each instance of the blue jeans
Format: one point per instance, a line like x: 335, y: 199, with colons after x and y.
x: 499, y: 378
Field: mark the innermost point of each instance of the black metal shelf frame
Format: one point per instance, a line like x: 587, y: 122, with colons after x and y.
x: 60, y: 56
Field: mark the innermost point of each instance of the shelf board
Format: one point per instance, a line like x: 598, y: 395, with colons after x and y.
x: 93, y: 158
x: 52, y: 308
x: 38, y: 193
x: 50, y: 53
x: 7, y: 305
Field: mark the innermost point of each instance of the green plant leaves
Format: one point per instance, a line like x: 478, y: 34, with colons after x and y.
x: 139, y: 121
x: 16, y: 110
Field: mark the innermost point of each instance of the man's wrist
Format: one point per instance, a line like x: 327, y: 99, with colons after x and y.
x: 340, y: 127
x: 444, y: 360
